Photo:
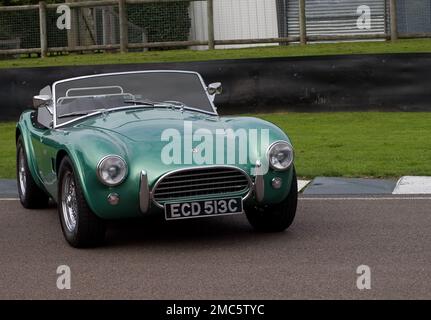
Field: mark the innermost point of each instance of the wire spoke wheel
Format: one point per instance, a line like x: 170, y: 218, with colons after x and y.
x: 22, y: 172
x: 30, y: 193
x: 69, y: 202
x: 81, y: 227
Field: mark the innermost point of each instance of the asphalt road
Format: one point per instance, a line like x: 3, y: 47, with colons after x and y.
x: 223, y: 258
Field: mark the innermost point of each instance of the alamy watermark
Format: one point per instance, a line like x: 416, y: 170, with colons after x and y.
x: 64, y: 277
x: 364, y: 20
x: 363, y: 281
x: 222, y: 146
x: 64, y: 20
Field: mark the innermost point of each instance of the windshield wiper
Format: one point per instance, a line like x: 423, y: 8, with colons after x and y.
x: 155, y: 104
x: 141, y: 102
x: 168, y: 103
x: 73, y: 114
x: 181, y: 105
x: 83, y: 113
x: 175, y: 103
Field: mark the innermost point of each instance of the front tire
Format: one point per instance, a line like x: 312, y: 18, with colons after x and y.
x: 81, y: 227
x: 30, y: 195
x: 275, y: 218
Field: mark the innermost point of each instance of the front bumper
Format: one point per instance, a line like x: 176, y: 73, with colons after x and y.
x: 260, y: 190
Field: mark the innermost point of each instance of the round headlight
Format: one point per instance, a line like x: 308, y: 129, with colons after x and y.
x: 280, y: 155
x: 112, y: 170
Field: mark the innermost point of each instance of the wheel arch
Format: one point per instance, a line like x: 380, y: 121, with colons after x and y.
x: 59, y: 157
x: 17, y: 134
x: 24, y: 132
x: 78, y: 169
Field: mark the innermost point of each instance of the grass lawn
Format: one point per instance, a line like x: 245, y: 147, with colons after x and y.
x: 7, y: 150
x: 363, y: 144
x: 400, y: 46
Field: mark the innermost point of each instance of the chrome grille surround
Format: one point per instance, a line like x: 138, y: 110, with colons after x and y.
x: 201, y: 182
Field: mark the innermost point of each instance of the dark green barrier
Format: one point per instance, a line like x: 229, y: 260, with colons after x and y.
x: 335, y: 83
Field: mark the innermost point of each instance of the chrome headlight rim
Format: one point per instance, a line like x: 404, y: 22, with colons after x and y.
x: 268, y: 154
x: 99, y: 169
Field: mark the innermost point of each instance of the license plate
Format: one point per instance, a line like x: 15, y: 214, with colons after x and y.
x: 204, y: 208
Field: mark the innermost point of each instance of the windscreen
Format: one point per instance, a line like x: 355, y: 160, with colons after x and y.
x: 78, y: 97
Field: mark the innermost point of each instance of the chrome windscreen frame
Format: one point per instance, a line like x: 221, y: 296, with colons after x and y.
x: 54, y: 98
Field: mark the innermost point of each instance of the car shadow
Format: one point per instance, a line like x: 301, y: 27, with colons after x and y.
x: 155, y: 231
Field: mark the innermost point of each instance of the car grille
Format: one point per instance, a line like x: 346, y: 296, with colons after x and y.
x: 201, y: 182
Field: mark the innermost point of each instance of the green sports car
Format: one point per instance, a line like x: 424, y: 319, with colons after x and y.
x: 130, y: 144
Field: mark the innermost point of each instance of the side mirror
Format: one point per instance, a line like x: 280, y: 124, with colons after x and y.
x: 214, y: 88
x: 41, y: 100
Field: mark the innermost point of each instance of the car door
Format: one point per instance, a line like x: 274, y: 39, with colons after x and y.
x: 45, y: 149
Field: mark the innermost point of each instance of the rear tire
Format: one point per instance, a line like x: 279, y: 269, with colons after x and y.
x: 30, y: 195
x: 81, y: 227
x: 275, y: 218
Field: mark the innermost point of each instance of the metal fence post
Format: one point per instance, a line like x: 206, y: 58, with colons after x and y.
x: 122, y: 12
x: 302, y: 23
x: 210, y: 13
x: 394, y: 22
x: 42, y: 29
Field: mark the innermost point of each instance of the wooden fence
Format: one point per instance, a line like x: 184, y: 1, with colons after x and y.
x: 124, y: 45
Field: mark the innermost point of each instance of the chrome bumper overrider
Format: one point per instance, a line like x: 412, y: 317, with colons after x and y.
x: 259, y: 183
x: 144, y: 193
